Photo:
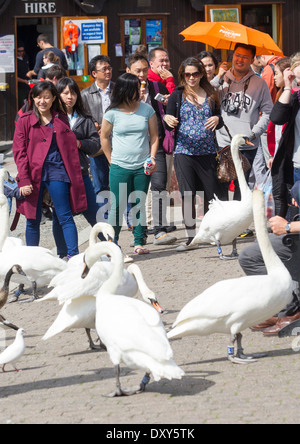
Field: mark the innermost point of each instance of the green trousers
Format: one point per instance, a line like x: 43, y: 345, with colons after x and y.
x: 128, y: 186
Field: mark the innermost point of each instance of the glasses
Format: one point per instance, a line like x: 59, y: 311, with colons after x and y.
x: 195, y: 74
x: 106, y: 69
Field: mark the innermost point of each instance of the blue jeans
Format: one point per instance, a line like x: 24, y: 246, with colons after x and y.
x: 60, y: 195
x: 100, y: 172
x: 296, y: 174
x: 90, y: 215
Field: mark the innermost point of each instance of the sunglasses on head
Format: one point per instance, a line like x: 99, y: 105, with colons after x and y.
x: 195, y: 74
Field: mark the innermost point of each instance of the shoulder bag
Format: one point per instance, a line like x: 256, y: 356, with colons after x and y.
x: 169, y: 140
x: 226, y: 171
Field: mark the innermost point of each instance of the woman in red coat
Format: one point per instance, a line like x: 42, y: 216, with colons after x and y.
x: 46, y: 154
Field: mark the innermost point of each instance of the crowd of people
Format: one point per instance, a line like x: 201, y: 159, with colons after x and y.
x: 88, y: 148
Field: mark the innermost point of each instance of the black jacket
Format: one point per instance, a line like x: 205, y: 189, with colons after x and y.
x: 174, y: 105
x: 283, y: 168
x: 163, y: 90
x: 85, y: 131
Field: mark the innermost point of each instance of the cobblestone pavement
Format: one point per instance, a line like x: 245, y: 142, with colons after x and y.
x: 63, y: 381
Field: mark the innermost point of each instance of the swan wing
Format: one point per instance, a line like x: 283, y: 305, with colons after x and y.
x: 133, y: 325
x: 78, y: 313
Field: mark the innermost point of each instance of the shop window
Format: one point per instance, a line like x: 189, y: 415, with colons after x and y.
x: 147, y: 30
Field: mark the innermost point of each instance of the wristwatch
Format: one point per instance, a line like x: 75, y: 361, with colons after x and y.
x: 288, y: 228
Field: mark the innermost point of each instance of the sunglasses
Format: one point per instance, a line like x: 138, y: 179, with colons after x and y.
x: 195, y: 74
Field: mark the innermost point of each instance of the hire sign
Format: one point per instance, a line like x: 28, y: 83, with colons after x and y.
x: 39, y: 7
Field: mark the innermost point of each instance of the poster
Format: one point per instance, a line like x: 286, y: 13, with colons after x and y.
x: 225, y: 15
x: 7, y: 53
x: 154, y: 31
x: 135, y: 32
x: 91, y: 32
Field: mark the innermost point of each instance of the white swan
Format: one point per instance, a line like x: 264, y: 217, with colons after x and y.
x: 131, y: 330
x: 225, y: 221
x: 233, y: 305
x: 80, y: 312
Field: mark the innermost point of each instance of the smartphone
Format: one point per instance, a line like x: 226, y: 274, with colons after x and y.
x: 160, y: 98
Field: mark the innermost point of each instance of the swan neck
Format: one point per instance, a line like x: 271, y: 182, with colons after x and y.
x: 271, y: 260
x: 235, y: 150
x: 111, y: 284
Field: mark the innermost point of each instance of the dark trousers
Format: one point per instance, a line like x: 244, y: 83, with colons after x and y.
x: 159, y: 193
x: 252, y: 263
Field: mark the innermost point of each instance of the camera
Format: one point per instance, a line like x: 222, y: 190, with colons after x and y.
x: 160, y: 98
x: 232, y: 109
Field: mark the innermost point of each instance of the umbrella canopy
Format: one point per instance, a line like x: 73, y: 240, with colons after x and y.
x: 225, y: 35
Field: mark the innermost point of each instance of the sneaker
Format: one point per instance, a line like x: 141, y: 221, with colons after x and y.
x: 163, y: 238
x: 247, y: 233
x: 185, y: 247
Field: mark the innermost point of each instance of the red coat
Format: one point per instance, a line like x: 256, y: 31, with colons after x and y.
x: 30, y: 147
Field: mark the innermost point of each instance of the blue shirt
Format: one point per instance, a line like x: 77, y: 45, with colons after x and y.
x: 193, y: 138
x: 54, y: 168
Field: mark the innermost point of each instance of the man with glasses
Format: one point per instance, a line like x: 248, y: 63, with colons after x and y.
x: 246, y: 104
x: 96, y: 99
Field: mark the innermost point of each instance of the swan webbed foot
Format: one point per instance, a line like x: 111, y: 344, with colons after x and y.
x: 127, y: 392
x: 122, y: 392
x: 233, y: 256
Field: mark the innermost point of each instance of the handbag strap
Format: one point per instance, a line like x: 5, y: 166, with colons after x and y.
x: 160, y: 106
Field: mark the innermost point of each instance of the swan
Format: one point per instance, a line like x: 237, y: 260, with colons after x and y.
x: 231, y: 306
x: 225, y: 221
x: 131, y: 330
x: 69, y: 285
x: 80, y: 312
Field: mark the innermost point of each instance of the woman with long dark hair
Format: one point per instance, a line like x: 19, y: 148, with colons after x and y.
x: 194, y: 111
x: 133, y: 127
x: 88, y: 144
x: 46, y: 155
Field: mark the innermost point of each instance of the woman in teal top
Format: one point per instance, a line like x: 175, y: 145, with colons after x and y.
x: 133, y: 127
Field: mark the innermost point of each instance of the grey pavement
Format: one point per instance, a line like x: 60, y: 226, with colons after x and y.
x: 62, y: 381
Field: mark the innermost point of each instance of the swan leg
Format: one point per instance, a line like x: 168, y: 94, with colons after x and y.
x: 233, y: 256
x: 17, y: 294
x: 240, y: 357
x: 127, y: 392
x: 93, y: 346
x: 119, y: 391
x: 34, y: 294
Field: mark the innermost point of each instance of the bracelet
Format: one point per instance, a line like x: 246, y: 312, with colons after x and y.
x: 287, y: 88
x: 152, y: 157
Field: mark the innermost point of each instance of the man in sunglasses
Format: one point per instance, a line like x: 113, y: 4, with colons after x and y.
x: 246, y: 104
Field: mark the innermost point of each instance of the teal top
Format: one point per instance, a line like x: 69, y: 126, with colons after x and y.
x: 130, y: 136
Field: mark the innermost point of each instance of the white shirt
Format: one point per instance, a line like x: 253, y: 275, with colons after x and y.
x: 105, y: 97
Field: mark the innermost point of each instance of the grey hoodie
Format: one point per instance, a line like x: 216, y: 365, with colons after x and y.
x: 255, y: 107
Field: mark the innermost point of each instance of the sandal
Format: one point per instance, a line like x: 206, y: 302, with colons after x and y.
x: 140, y: 250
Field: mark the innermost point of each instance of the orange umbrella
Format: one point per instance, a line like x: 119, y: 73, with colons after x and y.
x: 224, y: 35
